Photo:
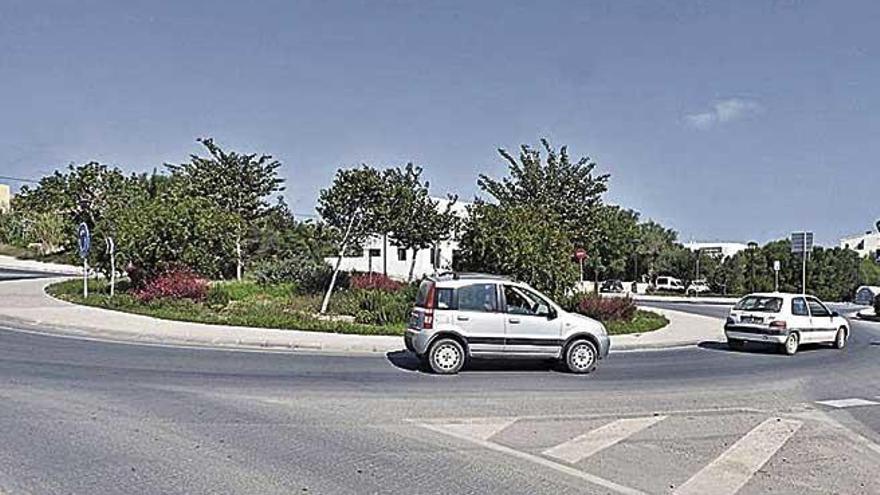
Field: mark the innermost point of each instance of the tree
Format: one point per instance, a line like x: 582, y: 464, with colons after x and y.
x: 569, y: 193
x: 239, y: 184
x: 518, y: 241
x: 414, y: 219
x: 653, y: 240
x: 352, y: 206
x: 612, y: 245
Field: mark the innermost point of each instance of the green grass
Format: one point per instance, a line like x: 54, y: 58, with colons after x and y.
x: 643, y: 321
x: 239, y: 304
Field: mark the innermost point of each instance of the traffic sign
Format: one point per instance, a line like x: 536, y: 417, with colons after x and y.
x: 801, y: 242
x: 580, y: 254
x: 777, y: 266
x: 84, y: 239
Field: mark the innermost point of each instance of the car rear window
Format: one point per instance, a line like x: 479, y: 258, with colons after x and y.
x: 443, y: 298
x: 422, y: 294
x: 760, y: 303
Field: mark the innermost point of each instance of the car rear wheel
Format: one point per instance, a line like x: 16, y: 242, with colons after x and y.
x: 581, y: 357
x: 446, y: 357
x: 840, y: 338
x: 791, y: 344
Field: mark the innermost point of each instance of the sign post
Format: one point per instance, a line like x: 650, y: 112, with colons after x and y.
x: 802, y: 243
x: 111, y: 250
x: 580, y: 254
x: 84, y: 242
x: 776, y: 267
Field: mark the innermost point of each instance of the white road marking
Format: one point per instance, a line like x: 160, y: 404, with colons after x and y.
x: 843, y: 403
x: 480, y: 428
x: 462, y: 434
x: 583, y: 446
x: 733, y: 469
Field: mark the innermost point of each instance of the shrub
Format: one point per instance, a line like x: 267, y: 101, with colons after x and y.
x: 310, y: 276
x: 375, y: 281
x: 607, y: 308
x: 174, y: 283
x: 222, y: 293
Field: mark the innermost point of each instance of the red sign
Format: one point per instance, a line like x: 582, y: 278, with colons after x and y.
x: 580, y: 254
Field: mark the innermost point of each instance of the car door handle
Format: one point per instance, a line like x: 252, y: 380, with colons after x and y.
x: 514, y: 320
x: 463, y: 318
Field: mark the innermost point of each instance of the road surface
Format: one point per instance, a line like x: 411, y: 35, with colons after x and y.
x: 90, y: 417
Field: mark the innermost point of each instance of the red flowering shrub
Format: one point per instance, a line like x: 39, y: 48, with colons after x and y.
x: 607, y: 308
x: 174, y: 283
x: 375, y: 281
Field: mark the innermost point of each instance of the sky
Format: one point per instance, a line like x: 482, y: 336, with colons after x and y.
x: 723, y: 120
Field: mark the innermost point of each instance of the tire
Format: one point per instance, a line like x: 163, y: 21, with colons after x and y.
x: 581, y: 357
x: 790, y: 346
x: 446, y: 356
x: 841, y: 338
x: 736, y: 344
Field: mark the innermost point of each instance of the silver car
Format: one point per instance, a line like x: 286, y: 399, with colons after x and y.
x: 460, y: 316
x: 787, y: 320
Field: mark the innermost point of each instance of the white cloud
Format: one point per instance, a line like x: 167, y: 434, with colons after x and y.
x: 723, y: 111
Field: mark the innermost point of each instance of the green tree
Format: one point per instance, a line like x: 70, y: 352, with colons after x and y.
x: 352, y: 206
x: 518, y: 241
x: 653, y: 240
x: 239, y: 184
x: 414, y: 219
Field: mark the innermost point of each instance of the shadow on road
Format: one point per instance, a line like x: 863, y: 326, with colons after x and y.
x: 755, y: 348
x: 408, y: 361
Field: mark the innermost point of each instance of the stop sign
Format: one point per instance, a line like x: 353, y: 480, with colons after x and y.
x: 580, y: 254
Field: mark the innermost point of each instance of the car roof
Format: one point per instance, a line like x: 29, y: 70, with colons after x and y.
x: 785, y: 295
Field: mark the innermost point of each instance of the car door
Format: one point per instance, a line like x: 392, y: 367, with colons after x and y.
x: 531, y: 325
x: 478, y: 317
x: 822, y: 321
x: 800, y: 318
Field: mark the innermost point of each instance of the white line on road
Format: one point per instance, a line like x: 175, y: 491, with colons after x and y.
x: 843, y: 403
x: 583, y: 446
x: 562, y: 468
x: 733, y: 469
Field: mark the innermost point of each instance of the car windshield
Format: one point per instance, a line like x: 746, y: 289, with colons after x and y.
x: 760, y: 303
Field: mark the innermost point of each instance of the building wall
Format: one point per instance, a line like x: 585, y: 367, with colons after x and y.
x: 398, y: 263
x: 867, y: 244
x: 5, y: 198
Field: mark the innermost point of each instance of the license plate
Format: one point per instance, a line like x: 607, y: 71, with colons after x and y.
x: 751, y: 319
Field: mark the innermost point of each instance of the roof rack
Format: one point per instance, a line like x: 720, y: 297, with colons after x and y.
x: 470, y: 275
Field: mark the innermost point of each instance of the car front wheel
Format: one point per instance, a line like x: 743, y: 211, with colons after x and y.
x: 840, y: 339
x: 581, y: 357
x: 446, y: 357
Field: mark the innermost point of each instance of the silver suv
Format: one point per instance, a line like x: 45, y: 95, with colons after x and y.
x: 459, y: 316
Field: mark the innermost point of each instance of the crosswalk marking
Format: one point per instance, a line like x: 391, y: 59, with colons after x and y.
x: 601, y: 438
x: 844, y: 403
x: 480, y: 428
x: 733, y: 469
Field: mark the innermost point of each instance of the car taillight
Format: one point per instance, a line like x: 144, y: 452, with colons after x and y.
x: 778, y: 325
x: 428, y: 322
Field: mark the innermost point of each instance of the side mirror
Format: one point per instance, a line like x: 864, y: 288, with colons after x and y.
x: 834, y: 314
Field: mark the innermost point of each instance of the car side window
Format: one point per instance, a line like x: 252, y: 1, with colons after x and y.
x: 477, y: 297
x: 522, y: 301
x: 818, y: 309
x: 799, y: 307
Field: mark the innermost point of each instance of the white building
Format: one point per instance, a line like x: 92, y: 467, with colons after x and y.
x: 721, y: 249
x: 379, y: 258
x: 5, y: 198
x: 867, y: 244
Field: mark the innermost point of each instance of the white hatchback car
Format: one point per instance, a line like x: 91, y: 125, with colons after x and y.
x: 787, y: 320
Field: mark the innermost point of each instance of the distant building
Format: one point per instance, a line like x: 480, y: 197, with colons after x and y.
x: 377, y: 257
x: 5, y: 198
x: 867, y: 244
x: 718, y: 249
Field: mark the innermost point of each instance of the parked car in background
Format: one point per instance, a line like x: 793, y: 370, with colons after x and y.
x: 697, y: 287
x: 787, y: 320
x: 461, y: 316
x: 613, y: 286
x: 866, y: 294
x: 669, y: 284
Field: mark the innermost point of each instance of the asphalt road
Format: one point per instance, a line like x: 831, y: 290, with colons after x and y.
x: 90, y: 417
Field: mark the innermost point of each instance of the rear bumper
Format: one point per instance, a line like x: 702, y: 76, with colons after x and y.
x: 755, y: 334
x: 416, y: 341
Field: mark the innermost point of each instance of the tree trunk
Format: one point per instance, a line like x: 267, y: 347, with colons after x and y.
x: 412, y: 266
x: 238, y: 258
x: 326, y: 301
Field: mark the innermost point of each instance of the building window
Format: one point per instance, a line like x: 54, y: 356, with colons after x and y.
x: 401, y: 254
x: 374, y: 253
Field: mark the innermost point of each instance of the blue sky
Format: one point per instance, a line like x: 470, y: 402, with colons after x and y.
x: 723, y: 120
